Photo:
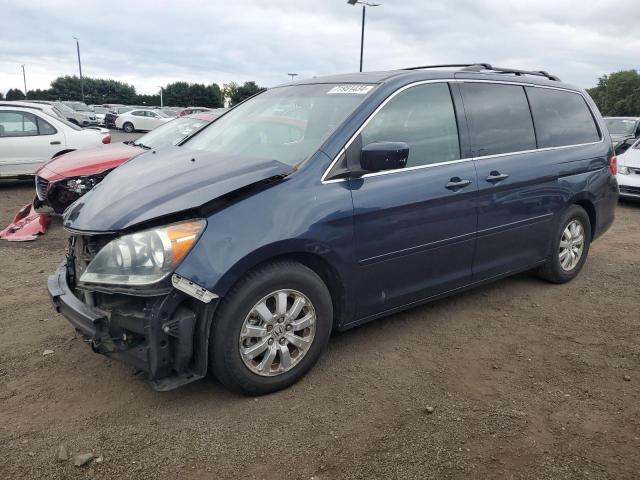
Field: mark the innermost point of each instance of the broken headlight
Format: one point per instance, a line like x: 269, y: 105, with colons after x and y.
x: 145, y: 257
x: 81, y: 185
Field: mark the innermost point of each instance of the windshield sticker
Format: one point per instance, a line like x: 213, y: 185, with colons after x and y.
x: 352, y: 89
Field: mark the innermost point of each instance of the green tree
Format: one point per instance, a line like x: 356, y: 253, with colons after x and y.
x: 618, y: 94
x: 15, y: 94
x: 185, y: 94
x: 96, y: 90
x: 148, y: 100
x: 39, y: 94
x: 237, y: 93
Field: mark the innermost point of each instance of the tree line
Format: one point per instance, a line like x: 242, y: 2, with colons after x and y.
x: 616, y: 94
x: 99, y: 91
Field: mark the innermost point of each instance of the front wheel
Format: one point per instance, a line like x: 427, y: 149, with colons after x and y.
x: 128, y: 127
x: 570, y: 247
x: 271, y: 328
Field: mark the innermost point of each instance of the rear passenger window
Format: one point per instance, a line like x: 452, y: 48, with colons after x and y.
x: 423, y: 117
x: 561, y: 118
x: 500, y: 118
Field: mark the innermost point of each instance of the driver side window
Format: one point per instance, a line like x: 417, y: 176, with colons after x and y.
x: 423, y: 117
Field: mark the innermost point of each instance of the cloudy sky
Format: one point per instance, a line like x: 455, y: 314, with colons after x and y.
x: 149, y: 43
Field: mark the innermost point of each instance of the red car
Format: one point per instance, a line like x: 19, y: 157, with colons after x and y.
x: 64, y: 179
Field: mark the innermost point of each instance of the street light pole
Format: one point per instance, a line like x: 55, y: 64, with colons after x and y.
x: 292, y: 75
x: 161, y: 104
x: 80, y: 68
x: 364, y: 8
x: 24, y: 78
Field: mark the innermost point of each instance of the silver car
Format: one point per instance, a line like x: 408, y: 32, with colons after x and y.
x: 78, y: 113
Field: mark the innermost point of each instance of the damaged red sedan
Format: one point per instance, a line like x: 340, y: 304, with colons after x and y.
x: 66, y: 178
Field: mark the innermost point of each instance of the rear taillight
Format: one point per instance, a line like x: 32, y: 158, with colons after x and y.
x: 106, y: 139
x: 613, y: 165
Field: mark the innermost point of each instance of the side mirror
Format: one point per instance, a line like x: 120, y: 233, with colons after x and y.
x: 384, y: 156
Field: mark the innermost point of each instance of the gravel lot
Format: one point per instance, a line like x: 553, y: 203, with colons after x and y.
x: 526, y: 380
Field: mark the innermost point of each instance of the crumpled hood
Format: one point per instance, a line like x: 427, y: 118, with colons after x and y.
x: 88, y: 161
x: 161, y: 183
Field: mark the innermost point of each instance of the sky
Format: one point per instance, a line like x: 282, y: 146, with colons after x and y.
x: 149, y: 43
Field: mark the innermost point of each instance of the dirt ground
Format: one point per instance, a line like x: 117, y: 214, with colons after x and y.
x: 527, y: 380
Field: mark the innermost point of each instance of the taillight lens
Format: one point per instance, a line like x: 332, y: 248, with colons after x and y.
x: 106, y: 139
x: 613, y: 165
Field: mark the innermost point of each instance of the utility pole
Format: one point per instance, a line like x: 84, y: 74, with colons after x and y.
x: 80, y: 68
x: 161, y: 104
x: 292, y: 75
x: 364, y: 8
x: 24, y: 78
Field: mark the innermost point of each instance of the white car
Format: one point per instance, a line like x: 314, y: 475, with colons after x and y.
x: 141, y: 119
x: 629, y: 172
x: 31, y: 134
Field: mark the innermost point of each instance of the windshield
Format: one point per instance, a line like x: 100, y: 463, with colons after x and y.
x: 287, y: 124
x: 99, y: 110
x: 171, y: 132
x: 620, y: 126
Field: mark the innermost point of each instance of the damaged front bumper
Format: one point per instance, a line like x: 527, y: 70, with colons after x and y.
x: 163, y: 337
x: 26, y: 225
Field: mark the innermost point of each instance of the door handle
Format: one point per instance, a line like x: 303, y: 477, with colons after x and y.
x: 495, y: 177
x: 55, y: 142
x: 456, y: 184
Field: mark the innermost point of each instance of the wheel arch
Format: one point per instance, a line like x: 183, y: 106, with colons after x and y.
x: 319, y: 264
x: 62, y: 152
x: 590, y: 208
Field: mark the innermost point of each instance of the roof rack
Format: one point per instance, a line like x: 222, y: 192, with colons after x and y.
x: 481, y: 67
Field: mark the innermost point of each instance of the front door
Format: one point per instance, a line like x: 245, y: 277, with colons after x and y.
x: 414, y: 227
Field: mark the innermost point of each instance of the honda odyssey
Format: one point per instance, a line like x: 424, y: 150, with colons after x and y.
x: 323, y: 204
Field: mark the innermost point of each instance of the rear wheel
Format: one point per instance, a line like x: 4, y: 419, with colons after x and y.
x: 570, y: 247
x: 128, y: 127
x: 271, y: 328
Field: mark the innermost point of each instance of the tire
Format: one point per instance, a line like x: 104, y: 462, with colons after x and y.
x: 553, y: 270
x: 128, y: 127
x: 238, y: 308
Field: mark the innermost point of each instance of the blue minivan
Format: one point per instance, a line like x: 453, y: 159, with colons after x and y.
x: 322, y: 204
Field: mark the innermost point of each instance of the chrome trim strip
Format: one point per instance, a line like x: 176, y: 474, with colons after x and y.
x: 525, y: 222
x: 467, y: 159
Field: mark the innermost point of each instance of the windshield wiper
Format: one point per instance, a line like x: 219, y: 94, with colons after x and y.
x: 146, y: 147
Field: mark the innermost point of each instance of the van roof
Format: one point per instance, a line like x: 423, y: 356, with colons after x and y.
x: 428, y: 72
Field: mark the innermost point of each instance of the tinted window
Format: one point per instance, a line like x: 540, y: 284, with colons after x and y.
x: 138, y: 113
x: 500, y: 118
x: 17, y: 124
x: 561, y: 118
x: 45, y: 128
x: 423, y: 117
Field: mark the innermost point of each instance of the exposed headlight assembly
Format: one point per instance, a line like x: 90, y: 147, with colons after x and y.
x: 81, y: 185
x: 622, y: 170
x: 145, y: 257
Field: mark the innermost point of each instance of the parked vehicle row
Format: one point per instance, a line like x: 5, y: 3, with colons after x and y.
x: 321, y: 205
x: 32, y: 133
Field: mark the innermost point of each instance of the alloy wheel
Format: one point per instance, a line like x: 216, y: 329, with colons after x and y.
x: 571, y: 245
x: 277, y: 333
